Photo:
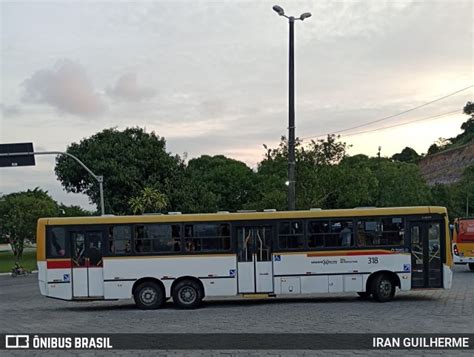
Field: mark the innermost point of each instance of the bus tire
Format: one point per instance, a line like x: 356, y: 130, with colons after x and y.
x: 149, y: 295
x: 187, y: 294
x: 471, y: 266
x: 383, y: 288
x: 364, y: 294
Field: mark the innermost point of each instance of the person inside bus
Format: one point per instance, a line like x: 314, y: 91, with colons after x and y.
x: 94, y: 254
x: 361, y: 236
x: 176, y: 234
x: 139, y: 248
x: 190, y: 245
x: 174, y: 244
x: 345, y: 236
x: 79, y: 253
x: 60, y: 252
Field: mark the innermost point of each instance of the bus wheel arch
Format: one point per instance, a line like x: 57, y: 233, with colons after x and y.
x: 149, y: 293
x: 387, y: 278
x: 187, y: 286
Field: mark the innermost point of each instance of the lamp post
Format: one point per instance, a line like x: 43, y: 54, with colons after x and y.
x: 291, y: 108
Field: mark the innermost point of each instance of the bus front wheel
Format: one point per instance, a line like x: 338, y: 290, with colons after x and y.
x: 149, y: 295
x: 383, y: 288
x: 471, y: 266
x: 187, y: 294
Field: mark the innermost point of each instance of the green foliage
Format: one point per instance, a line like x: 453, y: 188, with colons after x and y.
x: 321, y: 178
x: 468, y: 108
x: 468, y: 127
x: 458, y: 197
x: 8, y: 260
x: 440, y: 145
x: 140, y: 176
x: 150, y: 200
x: 464, y: 138
x: 464, y: 193
x: 407, y: 155
x: 215, y: 183
x: 19, y: 213
x: 327, y: 178
x: 73, y: 211
x: 129, y: 160
x: 400, y: 184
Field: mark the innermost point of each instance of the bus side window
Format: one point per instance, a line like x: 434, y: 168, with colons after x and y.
x: 383, y: 231
x: 318, y: 232
x: 291, y: 235
x: 207, y: 237
x: 57, y: 247
x: 120, y: 240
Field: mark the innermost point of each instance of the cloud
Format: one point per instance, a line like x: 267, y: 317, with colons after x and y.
x: 128, y: 89
x: 10, y: 110
x: 66, y: 87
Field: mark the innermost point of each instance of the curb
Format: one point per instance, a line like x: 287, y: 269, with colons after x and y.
x: 33, y: 272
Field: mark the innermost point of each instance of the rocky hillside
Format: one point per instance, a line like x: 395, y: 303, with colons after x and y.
x: 447, y: 166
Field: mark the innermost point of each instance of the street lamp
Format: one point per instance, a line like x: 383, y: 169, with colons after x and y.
x: 291, y: 108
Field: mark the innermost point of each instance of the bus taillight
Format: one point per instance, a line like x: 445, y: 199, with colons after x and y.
x: 455, y: 250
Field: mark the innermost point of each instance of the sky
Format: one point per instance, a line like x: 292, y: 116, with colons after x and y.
x: 212, y: 76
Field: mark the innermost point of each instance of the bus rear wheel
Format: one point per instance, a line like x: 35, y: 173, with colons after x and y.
x: 149, y: 295
x: 383, y: 288
x: 471, y: 266
x: 187, y: 294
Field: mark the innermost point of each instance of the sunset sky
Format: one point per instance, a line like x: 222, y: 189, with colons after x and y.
x: 211, y: 76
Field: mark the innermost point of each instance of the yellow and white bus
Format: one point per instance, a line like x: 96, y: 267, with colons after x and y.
x: 186, y: 257
x: 463, y: 241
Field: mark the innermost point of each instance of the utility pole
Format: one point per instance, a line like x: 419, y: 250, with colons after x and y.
x: 291, y: 106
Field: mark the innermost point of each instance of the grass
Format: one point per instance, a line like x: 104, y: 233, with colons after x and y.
x: 7, y: 261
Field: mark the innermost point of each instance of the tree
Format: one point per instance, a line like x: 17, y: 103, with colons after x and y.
x: 468, y: 126
x: 440, y: 145
x: 73, y: 211
x: 129, y: 160
x: 399, y: 184
x: 215, y: 183
x: 150, y: 200
x: 317, y: 174
x: 467, y: 135
x: 407, y: 155
x: 468, y: 108
x: 464, y: 193
x: 19, y: 213
x: 445, y: 196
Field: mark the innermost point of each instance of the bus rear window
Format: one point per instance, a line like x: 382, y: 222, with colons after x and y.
x: 57, y: 246
x: 466, y: 231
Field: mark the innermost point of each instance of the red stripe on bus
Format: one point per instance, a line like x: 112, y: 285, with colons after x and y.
x: 59, y: 264
x: 373, y: 253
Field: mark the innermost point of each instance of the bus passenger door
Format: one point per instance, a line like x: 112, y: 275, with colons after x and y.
x: 426, y: 252
x: 95, y: 266
x: 254, y: 259
x: 87, y: 265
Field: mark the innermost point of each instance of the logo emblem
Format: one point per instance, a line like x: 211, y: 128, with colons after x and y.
x: 278, y: 258
x: 232, y: 272
x: 66, y: 277
x: 17, y: 341
x: 406, y: 267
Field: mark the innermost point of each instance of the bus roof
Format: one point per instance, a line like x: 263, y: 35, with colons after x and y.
x: 243, y: 216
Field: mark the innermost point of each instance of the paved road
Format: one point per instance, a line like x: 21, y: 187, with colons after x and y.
x: 24, y: 310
